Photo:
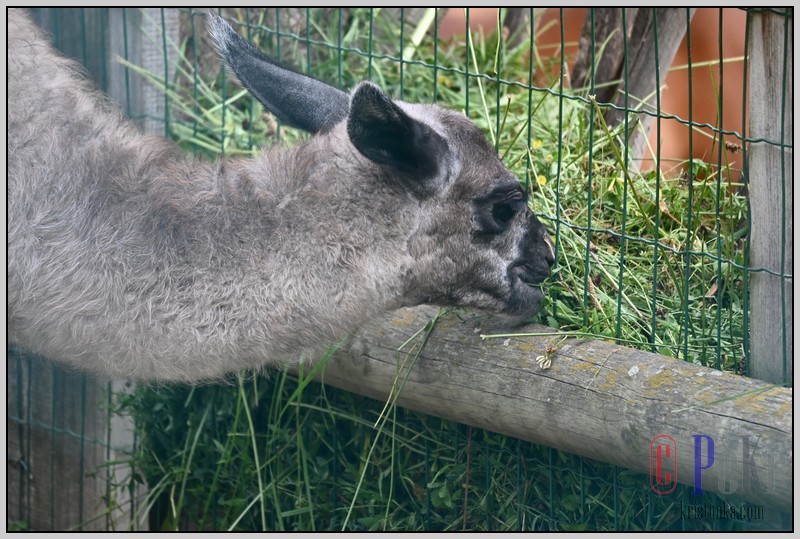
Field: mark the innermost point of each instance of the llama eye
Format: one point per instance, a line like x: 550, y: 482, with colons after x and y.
x: 495, y: 211
x: 503, y: 212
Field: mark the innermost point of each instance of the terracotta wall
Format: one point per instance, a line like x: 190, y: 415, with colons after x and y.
x: 706, y: 81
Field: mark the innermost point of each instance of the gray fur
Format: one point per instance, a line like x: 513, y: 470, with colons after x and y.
x: 128, y: 258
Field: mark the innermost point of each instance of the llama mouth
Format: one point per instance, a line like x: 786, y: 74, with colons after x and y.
x: 526, y: 295
x: 524, y: 303
x: 527, y: 292
x: 527, y: 276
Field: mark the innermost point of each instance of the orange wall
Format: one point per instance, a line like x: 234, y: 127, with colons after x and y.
x: 705, y: 43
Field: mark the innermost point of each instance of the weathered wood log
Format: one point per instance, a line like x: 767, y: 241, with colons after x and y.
x: 517, y: 23
x: 652, y: 33
x: 606, y: 32
x: 600, y: 400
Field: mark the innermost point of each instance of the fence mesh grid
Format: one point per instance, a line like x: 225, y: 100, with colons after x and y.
x: 657, y: 258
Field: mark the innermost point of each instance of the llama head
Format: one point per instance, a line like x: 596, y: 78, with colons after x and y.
x: 475, y: 242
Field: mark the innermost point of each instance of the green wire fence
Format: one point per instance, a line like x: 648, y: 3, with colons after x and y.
x: 670, y: 252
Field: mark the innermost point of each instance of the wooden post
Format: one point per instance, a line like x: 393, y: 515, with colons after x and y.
x: 770, y: 178
x: 60, y: 431
x: 599, y: 400
x: 61, y: 434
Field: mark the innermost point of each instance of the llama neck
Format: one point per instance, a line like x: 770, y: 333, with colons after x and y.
x: 272, y: 263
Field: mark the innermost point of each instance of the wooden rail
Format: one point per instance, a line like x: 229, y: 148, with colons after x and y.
x: 600, y: 400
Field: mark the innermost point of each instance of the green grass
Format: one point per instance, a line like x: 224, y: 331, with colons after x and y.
x: 280, y: 452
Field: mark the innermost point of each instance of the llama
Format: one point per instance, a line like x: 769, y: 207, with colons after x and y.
x: 129, y: 258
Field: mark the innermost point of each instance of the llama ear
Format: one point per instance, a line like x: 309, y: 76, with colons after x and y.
x: 386, y: 135
x: 296, y: 99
